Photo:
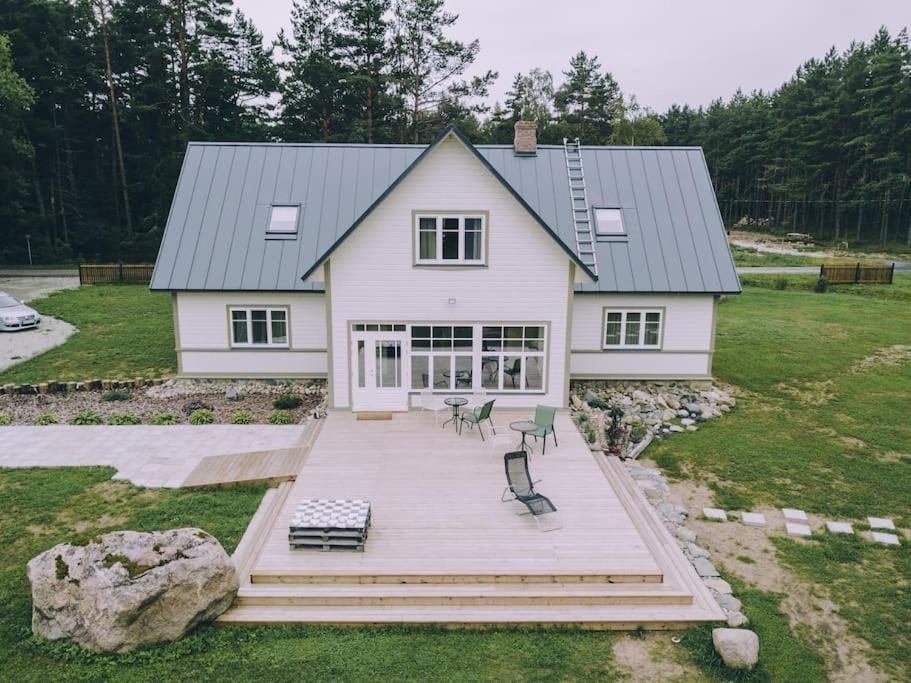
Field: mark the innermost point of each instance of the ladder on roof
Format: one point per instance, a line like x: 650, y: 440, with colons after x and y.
x: 582, y: 217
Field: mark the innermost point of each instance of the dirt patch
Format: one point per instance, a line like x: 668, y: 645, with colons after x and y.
x: 748, y: 553
x: 809, y: 393
x: 652, y: 658
x: 888, y: 357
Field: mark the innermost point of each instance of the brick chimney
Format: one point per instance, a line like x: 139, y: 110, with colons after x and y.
x: 526, y: 141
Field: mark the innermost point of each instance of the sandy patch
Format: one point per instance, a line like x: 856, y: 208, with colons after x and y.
x: 652, y: 658
x: 888, y: 357
x: 809, y: 393
x: 748, y: 553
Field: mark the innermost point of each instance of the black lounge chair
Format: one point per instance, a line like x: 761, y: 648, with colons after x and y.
x: 521, y: 488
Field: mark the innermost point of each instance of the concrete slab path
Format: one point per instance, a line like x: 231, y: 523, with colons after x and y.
x: 146, y: 455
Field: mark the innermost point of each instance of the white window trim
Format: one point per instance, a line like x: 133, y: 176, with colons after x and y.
x: 439, y: 260
x: 477, y: 354
x: 624, y: 313
x: 297, y: 217
x: 248, y: 310
x: 608, y: 235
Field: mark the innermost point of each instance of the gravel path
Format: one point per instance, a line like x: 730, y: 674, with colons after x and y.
x: 28, y: 288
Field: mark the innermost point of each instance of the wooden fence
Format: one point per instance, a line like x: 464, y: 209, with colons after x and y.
x: 115, y: 272
x: 853, y: 274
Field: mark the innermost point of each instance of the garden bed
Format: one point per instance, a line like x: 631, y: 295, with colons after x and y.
x: 248, y: 402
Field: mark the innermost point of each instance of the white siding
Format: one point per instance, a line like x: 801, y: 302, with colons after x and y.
x: 372, y: 276
x: 204, y: 344
x: 686, y: 350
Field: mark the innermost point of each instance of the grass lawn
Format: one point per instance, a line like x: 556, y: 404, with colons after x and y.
x: 124, y: 331
x: 822, y: 425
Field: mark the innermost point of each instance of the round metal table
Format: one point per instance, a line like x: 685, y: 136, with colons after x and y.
x: 525, y: 427
x: 455, y: 402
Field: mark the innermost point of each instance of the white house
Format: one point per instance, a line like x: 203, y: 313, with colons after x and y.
x: 391, y: 268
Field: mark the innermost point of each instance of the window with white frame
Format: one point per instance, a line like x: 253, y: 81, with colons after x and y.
x: 283, y: 219
x: 608, y: 222
x: 449, y: 239
x: 254, y: 327
x: 512, y: 357
x: 639, y: 329
x: 442, y: 357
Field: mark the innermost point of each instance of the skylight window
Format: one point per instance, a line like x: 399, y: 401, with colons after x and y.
x: 283, y: 219
x: 608, y: 222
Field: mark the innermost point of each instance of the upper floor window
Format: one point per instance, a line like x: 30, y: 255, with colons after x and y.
x: 632, y: 329
x: 450, y: 239
x: 283, y: 219
x: 608, y: 222
x: 259, y: 327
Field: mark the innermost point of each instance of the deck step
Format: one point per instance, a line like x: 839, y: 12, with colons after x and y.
x: 608, y: 617
x: 462, y: 594
x: 358, y: 576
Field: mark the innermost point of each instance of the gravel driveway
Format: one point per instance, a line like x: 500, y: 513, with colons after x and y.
x: 16, y: 347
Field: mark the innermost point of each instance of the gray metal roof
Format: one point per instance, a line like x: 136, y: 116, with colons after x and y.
x: 215, y: 237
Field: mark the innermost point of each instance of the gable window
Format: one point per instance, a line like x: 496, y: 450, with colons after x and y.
x: 608, y: 222
x: 252, y: 327
x: 450, y: 239
x: 283, y: 219
x: 632, y: 329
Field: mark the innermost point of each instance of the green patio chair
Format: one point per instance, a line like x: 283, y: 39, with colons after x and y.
x: 477, y: 416
x: 544, y: 418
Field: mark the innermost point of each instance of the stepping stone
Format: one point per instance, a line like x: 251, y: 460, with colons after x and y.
x: 794, y: 515
x: 715, y: 514
x: 839, y: 528
x: 752, y: 518
x: 881, y: 523
x: 796, y: 529
x: 888, y: 539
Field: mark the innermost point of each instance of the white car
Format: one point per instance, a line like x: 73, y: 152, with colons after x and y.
x: 15, y: 315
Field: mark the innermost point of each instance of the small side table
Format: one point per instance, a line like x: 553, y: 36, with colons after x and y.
x: 455, y: 402
x: 525, y: 427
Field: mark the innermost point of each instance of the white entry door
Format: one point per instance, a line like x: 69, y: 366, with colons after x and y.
x: 380, y: 371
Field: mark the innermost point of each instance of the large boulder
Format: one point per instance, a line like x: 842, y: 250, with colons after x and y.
x: 130, y: 588
x: 738, y: 647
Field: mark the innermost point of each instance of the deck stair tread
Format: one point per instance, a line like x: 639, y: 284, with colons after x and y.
x: 490, y: 593
x: 625, y: 617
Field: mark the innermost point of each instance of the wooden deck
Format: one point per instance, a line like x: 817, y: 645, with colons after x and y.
x: 442, y: 547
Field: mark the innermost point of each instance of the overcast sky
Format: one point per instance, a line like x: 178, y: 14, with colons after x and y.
x: 664, y: 52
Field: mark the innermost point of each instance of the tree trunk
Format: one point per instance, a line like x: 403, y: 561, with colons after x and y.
x: 183, y: 71
x: 115, y: 119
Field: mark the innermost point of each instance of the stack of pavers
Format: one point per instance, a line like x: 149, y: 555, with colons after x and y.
x: 330, y: 525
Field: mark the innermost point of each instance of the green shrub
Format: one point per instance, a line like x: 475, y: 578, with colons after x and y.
x: 165, y: 418
x: 46, y: 419
x: 821, y: 285
x: 86, y: 417
x: 280, y: 417
x: 241, y: 417
x: 590, y: 434
x: 116, y: 395
x: 287, y: 402
x: 637, y: 433
x: 583, y: 418
x: 781, y: 282
x: 193, y: 406
x: 598, y: 403
x: 202, y: 416
x: 5, y: 419
x: 125, y: 419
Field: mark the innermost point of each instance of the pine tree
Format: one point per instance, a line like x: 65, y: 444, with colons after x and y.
x: 589, y: 101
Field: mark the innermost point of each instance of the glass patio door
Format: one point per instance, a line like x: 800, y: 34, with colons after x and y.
x: 379, y: 371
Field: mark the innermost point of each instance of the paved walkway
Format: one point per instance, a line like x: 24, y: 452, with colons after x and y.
x: 146, y: 455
